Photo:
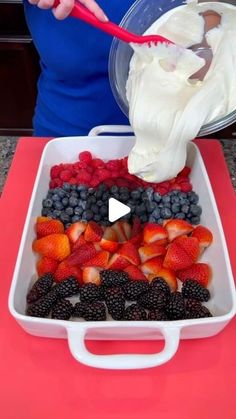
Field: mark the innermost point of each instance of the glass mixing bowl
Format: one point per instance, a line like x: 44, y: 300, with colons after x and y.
x: 138, y: 19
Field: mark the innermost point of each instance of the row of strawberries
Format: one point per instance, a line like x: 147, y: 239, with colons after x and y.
x: 93, y: 171
x: 170, y: 251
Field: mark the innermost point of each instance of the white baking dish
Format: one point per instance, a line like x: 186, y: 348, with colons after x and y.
x: 222, y: 304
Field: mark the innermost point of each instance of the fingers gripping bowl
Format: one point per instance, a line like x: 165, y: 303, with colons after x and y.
x: 222, y: 303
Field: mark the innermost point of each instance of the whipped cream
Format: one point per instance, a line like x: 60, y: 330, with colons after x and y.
x: 167, y: 108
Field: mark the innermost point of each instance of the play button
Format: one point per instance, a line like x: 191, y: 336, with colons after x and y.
x: 116, y: 209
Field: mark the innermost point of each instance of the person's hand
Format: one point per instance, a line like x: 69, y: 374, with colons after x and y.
x: 64, y: 8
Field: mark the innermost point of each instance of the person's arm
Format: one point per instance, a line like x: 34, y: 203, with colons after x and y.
x: 64, y: 8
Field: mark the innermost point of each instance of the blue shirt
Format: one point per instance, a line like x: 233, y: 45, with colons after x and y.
x: 74, y: 93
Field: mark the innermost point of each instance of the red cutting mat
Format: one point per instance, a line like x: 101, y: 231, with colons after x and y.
x: 40, y: 379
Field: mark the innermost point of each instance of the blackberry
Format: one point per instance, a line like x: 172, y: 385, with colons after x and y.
x: 195, y: 310
x: 40, y: 288
x: 62, y: 310
x: 67, y: 288
x: 133, y: 289
x: 175, y: 308
x: 153, y: 299
x: 192, y: 289
x: 135, y: 312
x: 160, y: 284
x: 89, y: 293
x: 115, y: 302
x: 79, y: 309
x: 111, y: 278
x: 95, y: 312
x: 43, y: 306
x: 157, y: 315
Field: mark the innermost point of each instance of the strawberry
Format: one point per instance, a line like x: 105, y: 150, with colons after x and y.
x: 152, y: 266
x: 150, y: 251
x: 54, y: 246
x: 168, y: 275
x: 64, y: 271
x: 42, y: 219
x: 130, y: 252
x: 117, y: 227
x: 136, y: 228
x: 135, y: 273
x: 137, y: 240
x: 81, y: 240
x: 177, y: 228
x: 200, y: 272
x: 117, y: 262
x: 127, y: 229
x: 82, y: 254
x: 204, y: 236
x: 75, y: 230
x: 190, y: 245
x: 109, y: 240
x: 99, y: 260
x: 154, y: 232
x: 93, y: 232
x: 91, y: 275
x: 46, y: 265
x: 176, y: 258
x: 49, y: 227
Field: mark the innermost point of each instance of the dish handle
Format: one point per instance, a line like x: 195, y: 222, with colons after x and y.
x: 110, y: 129
x: 76, y: 340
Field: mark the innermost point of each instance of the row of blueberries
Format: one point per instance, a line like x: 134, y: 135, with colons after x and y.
x: 72, y: 203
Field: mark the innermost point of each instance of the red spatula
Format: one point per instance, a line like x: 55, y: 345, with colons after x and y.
x: 80, y: 12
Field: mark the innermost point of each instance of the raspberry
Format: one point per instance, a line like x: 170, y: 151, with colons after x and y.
x: 103, y: 174
x: 122, y: 183
x: 98, y: 163
x: 83, y: 176
x: 94, y: 182
x: 85, y: 156
x: 186, y: 187
x: 55, y: 183
x: 115, y: 174
x: 124, y: 162
x: 185, y: 171
x: 113, y: 165
x: 55, y: 171
x: 65, y: 175
x: 160, y: 190
x: 109, y: 182
x: 73, y: 181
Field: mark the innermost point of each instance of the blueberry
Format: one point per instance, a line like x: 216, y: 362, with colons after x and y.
x: 166, y: 213
x: 83, y: 204
x: 56, y: 213
x: 97, y: 218
x: 81, y: 188
x: 116, y: 196
x: 175, y: 208
x: 151, y: 206
x: 195, y: 220
x: 74, y: 194
x: 66, y: 186
x: 143, y: 218
x: 75, y: 218
x: 183, y: 195
x: 65, y: 201
x: 78, y: 211
x: 67, y: 225
x: 124, y: 190
x: 102, y: 187
x: 84, y: 194
x: 95, y: 209
x: 174, y: 199
x: 145, y: 196
x: 160, y: 221
x: 180, y: 215
x: 50, y: 214
x: 99, y: 194
x: 193, y: 197
x: 61, y: 193
x: 44, y: 212
x: 135, y: 194
x: 157, y: 197
x: 114, y: 189
x: 92, y: 191
x: 65, y: 218
x: 124, y: 197
x: 132, y: 208
x: 156, y: 214
x: 58, y: 205
x: 87, y: 215
x: 103, y: 210
x: 195, y: 209
x: 69, y: 211
x: 166, y: 199
x: 99, y: 203
x: 183, y: 201
x: 47, y: 203
x: 56, y: 197
x: 140, y: 209
x: 105, y: 196
x: 152, y: 219
x: 167, y: 205
x: 73, y: 202
x: 185, y: 209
